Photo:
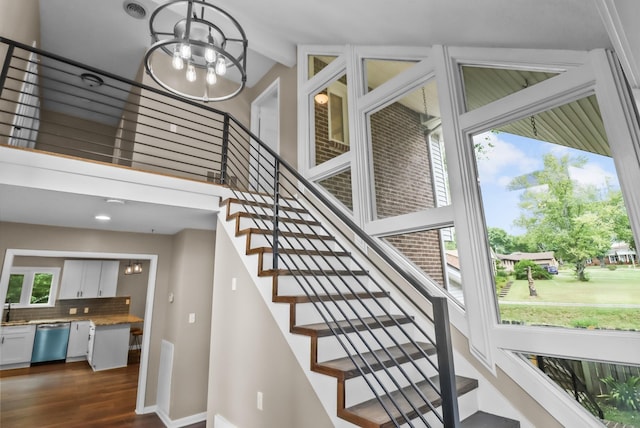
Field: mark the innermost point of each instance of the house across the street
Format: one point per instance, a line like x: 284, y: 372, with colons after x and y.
x: 543, y: 259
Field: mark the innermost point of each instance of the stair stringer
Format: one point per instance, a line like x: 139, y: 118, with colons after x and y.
x: 324, y: 386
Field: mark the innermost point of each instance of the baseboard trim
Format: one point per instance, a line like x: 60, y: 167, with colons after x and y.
x: 189, y: 420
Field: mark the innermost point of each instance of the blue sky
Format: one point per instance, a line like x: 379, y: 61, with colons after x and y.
x: 513, y: 155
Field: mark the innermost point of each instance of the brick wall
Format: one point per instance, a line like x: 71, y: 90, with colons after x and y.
x: 401, y: 166
x: 403, y: 183
x: 339, y: 186
x: 402, y: 172
x: 424, y: 250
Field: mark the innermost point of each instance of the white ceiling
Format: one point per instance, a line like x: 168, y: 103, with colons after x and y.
x: 101, y: 34
x: 38, y: 206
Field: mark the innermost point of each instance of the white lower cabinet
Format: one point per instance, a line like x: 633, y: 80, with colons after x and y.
x: 78, y: 341
x: 16, y: 344
x: 108, y: 346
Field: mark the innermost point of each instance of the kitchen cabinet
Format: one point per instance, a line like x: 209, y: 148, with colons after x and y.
x: 108, y: 346
x: 87, y: 279
x: 78, y: 341
x: 16, y: 344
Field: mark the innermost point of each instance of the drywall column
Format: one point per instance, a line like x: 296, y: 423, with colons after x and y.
x: 191, y: 284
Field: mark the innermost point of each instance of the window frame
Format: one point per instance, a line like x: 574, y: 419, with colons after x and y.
x: 585, y: 74
x: 27, y: 286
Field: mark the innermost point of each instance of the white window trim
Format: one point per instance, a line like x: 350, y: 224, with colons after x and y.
x: 27, y: 286
x: 486, y: 336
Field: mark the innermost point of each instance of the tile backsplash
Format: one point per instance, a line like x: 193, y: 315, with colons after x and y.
x: 101, y: 306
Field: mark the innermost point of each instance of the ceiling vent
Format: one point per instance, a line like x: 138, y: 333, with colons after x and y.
x: 134, y: 9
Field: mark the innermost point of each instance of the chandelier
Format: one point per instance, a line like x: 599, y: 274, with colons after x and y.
x: 194, y: 44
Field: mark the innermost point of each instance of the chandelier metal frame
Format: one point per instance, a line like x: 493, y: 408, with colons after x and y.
x: 224, y: 41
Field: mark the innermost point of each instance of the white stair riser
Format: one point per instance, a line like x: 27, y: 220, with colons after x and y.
x: 310, y: 313
x: 358, y: 390
x: 290, y: 285
x: 307, y: 262
x: 329, y: 347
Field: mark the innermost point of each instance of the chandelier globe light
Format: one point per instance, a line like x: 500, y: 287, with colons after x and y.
x: 194, y: 43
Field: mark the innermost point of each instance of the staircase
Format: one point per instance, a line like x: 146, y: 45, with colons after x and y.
x: 385, y: 362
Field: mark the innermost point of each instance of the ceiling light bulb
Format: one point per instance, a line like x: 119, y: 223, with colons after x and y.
x: 191, y: 73
x: 102, y: 217
x: 210, y: 55
x: 221, y: 66
x: 211, y: 76
x: 137, y: 267
x: 321, y: 98
x: 177, y: 62
x: 185, y: 50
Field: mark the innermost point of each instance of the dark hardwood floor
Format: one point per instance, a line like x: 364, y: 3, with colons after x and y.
x: 72, y: 395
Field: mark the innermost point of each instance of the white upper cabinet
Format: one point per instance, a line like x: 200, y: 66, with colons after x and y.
x: 87, y: 279
x: 108, y: 278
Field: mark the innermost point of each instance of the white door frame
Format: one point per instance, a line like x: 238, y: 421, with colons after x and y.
x: 11, y: 253
x: 265, y: 97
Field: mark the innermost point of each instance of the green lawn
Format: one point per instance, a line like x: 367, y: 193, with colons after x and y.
x: 573, y: 316
x: 620, y: 286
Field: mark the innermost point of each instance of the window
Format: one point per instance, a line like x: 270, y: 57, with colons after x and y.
x: 32, y: 286
x: 552, y: 197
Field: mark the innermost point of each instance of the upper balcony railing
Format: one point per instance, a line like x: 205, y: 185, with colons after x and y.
x: 54, y: 105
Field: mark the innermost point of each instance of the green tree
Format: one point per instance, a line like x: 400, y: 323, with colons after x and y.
x: 537, y: 272
x: 499, y: 240
x: 563, y: 216
x: 620, y: 219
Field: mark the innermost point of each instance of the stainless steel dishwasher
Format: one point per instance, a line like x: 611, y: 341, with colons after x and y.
x: 51, y: 342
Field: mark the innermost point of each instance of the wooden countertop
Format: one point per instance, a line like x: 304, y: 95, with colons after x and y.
x: 98, y: 320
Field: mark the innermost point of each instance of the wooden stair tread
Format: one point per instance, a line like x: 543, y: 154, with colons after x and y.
x: 377, y: 359
x: 334, y: 297
x: 487, y: 420
x: 313, y: 272
x: 300, y: 252
x: 230, y: 201
x: 268, y: 217
x: 285, y: 233
x: 323, y: 329
x: 374, y: 412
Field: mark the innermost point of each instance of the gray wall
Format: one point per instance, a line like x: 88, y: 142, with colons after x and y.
x: 168, y: 322
x: 192, y: 286
x: 249, y: 354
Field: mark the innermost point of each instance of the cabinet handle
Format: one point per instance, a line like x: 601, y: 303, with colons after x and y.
x: 2, y: 340
x: 100, y: 293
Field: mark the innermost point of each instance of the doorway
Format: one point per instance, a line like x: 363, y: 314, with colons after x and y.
x: 265, y: 124
x: 152, y: 261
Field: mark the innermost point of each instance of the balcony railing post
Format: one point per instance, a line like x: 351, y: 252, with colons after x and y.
x: 225, y: 150
x: 5, y: 67
x: 276, y: 210
x: 448, y: 389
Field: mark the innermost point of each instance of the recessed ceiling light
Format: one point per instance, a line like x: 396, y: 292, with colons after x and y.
x: 102, y: 217
x: 134, y: 9
x: 91, y: 80
x: 115, y: 201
